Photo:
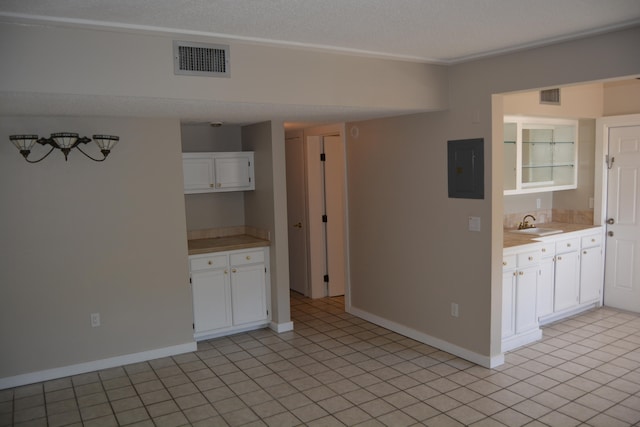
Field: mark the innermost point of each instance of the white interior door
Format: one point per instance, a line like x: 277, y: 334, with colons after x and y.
x: 296, y: 212
x: 325, y: 197
x: 334, y: 182
x: 622, y: 267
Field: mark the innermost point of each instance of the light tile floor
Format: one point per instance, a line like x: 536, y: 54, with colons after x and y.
x: 336, y: 369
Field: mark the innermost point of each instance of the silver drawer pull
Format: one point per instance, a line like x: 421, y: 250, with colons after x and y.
x: 530, y: 258
x: 248, y: 257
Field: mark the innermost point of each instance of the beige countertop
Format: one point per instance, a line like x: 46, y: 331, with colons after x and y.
x: 514, y: 239
x: 224, y: 243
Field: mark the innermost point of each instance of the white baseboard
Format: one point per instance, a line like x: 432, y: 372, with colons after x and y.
x: 95, y: 365
x: 516, y: 341
x: 479, y: 359
x: 553, y: 317
x: 232, y: 330
x: 281, y: 327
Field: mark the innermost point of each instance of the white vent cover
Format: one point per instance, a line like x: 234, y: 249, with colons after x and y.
x: 200, y: 59
x: 550, y: 96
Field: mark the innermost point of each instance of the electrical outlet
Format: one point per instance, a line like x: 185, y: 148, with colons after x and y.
x: 454, y: 309
x: 95, y: 320
x: 538, y: 203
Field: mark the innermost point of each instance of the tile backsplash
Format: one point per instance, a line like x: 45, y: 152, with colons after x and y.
x: 544, y: 216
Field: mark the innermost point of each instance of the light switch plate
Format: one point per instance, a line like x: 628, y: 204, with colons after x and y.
x: 474, y: 223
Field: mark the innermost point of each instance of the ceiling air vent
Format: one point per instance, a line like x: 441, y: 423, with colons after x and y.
x: 550, y: 96
x: 199, y: 59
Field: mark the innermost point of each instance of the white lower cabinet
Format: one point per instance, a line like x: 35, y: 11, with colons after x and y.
x: 211, y: 300
x: 230, y: 292
x: 546, y: 272
x: 547, y: 281
x: 248, y: 287
x: 567, y: 274
x: 591, y: 269
x: 519, y: 316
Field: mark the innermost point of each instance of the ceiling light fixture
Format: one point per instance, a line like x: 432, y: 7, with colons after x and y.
x: 65, y: 142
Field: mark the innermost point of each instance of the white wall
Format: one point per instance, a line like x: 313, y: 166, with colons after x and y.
x: 411, y: 253
x: 622, y: 97
x: 576, y: 102
x: 266, y: 207
x: 81, y: 237
x: 57, y: 60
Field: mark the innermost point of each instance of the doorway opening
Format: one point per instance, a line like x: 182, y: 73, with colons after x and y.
x: 316, y: 208
x: 614, y: 104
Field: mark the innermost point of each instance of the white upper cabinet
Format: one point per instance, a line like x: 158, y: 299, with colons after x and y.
x: 215, y: 172
x: 233, y: 171
x: 198, y: 173
x: 540, y: 154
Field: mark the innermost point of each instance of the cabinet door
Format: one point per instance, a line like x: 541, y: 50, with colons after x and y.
x: 545, y: 287
x: 525, y: 299
x: 198, y: 174
x: 211, y: 300
x: 567, y: 271
x: 233, y: 171
x: 248, y: 294
x: 540, y: 154
x: 508, y: 303
x: 591, y: 279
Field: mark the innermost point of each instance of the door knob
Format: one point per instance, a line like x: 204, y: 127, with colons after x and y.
x: 610, y: 221
x: 298, y: 225
x: 610, y: 233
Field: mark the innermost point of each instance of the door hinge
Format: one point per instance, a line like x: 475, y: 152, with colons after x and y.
x: 323, y: 157
x: 190, y: 280
x: 326, y: 278
x: 324, y: 218
x: 193, y: 325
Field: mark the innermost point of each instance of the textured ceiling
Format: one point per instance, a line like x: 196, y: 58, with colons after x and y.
x: 440, y: 31
x: 433, y: 31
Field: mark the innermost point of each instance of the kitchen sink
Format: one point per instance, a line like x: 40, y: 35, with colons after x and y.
x: 537, y: 231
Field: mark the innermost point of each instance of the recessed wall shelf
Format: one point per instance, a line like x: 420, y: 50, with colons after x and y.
x: 540, y: 154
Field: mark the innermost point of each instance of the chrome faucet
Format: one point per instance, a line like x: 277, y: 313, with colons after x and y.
x: 525, y: 224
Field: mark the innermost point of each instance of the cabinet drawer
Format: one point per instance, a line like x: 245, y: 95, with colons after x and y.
x: 249, y: 257
x: 508, y: 261
x: 547, y: 250
x: 593, y: 240
x: 567, y: 245
x: 208, y: 262
x: 528, y: 258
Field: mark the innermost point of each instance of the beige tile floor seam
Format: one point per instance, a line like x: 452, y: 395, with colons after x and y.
x: 335, y: 369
